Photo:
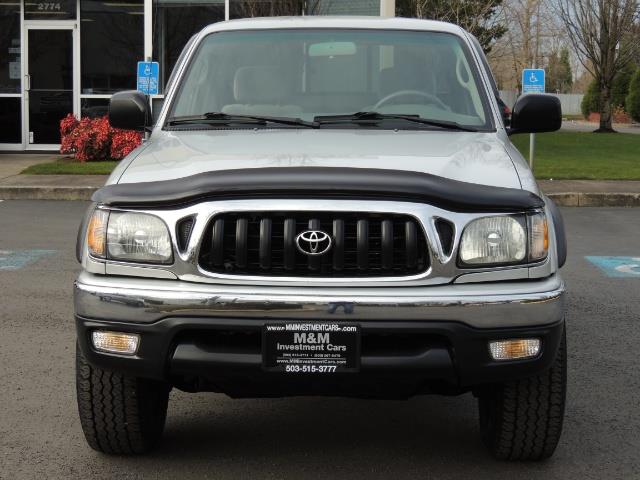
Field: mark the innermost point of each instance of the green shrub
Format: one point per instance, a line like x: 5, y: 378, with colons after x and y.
x: 633, y: 99
x: 620, y: 87
x: 591, y: 100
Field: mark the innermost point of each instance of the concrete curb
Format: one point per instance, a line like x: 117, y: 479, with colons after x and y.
x: 569, y: 199
x: 46, y: 193
x: 577, y: 199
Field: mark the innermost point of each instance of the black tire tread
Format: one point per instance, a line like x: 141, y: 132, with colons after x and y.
x: 522, y: 420
x: 119, y: 414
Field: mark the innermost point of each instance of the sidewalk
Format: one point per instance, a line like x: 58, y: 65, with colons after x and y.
x: 13, y: 186
x: 593, y: 193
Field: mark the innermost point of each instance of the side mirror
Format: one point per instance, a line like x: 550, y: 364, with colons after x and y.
x: 536, y: 113
x: 130, y: 111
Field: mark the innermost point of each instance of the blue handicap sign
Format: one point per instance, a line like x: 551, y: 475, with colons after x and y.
x: 148, y: 77
x: 533, y: 80
x: 628, y: 267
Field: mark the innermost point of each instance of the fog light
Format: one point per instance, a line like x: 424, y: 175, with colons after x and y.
x: 115, y: 342
x: 515, y: 349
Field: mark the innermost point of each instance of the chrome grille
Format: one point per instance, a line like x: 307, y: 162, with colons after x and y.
x: 362, y: 244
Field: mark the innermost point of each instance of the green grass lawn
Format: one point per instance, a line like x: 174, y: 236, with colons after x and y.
x: 584, y: 156
x: 68, y: 166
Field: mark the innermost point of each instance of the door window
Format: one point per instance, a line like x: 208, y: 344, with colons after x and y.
x: 50, y: 67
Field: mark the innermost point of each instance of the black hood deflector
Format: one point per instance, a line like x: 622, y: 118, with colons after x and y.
x: 314, y: 182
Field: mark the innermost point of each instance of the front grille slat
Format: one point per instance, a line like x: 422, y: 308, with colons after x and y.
x: 265, y: 243
x: 362, y: 245
x: 314, y: 261
x: 387, y: 244
x: 362, y: 251
x: 242, y: 226
x: 289, y: 245
x: 411, y: 242
x: 217, y: 244
x: 338, y: 245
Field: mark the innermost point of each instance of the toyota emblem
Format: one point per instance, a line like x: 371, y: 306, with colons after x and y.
x: 313, y: 242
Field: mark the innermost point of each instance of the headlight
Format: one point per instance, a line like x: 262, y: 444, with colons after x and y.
x: 505, y: 240
x: 494, y: 240
x: 129, y: 237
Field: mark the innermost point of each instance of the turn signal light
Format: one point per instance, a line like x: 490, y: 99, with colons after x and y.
x: 97, y: 233
x: 115, y: 342
x: 515, y: 349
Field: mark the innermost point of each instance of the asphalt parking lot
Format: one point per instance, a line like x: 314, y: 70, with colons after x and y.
x: 211, y: 436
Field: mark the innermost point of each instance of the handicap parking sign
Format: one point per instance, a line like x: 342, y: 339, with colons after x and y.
x: 148, y: 77
x: 533, y: 80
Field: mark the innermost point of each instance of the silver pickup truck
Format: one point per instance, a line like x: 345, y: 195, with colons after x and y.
x: 324, y: 206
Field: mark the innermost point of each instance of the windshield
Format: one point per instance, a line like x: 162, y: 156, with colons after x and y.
x: 311, y: 74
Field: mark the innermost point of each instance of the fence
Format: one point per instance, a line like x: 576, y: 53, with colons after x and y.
x: 570, y: 101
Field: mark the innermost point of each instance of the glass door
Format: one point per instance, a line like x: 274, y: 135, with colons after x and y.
x: 49, y: 80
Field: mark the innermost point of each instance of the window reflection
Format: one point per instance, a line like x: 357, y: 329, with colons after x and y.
x: 10, y: 120
x: 175, y: 23
x: 94, y: 107
x: 112, y: 43
x: 9, y: 46
x: 276, y: 8
x: 50, y: 10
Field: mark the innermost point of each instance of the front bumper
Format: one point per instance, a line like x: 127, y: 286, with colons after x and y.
x: 482, y: 305
x: 417, y: 339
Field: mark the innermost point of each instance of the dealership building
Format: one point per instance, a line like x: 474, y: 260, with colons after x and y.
x: 69, y: 56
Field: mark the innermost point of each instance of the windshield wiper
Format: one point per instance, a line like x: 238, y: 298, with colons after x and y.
x: 376, y: 117
x: 219, y: 118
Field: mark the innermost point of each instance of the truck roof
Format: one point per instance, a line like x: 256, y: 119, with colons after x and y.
x: 392, y: 23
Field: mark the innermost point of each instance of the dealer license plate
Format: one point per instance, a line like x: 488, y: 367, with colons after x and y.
x: 311, y: 347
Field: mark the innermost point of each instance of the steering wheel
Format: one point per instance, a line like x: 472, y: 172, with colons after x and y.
x: 404, y: 93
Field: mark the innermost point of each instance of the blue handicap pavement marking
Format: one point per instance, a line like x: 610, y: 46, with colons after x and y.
x: 617, y: 266
x: 17, y: 259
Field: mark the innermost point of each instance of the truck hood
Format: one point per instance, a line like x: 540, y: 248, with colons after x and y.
x: 465, y: 156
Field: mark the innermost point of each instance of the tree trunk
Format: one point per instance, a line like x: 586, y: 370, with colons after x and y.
x: 606, y: 118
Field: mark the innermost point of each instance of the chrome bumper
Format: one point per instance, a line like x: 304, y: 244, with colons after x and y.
x: 488, y: 305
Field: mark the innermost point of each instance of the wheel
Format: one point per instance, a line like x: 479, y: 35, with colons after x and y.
x: 522, y: 420
x: 119, y: 414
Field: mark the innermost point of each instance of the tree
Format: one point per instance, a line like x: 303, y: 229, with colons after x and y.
x: 533, y: 32
x: 476, y: 16
x: 592, y: 101
x: 633, y: 99
x: 559, y: 75
x: 601, y: 33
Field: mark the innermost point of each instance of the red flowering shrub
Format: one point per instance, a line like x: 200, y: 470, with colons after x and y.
x: 93, y: 139
x: 123, y: 142
x: 67, y: 127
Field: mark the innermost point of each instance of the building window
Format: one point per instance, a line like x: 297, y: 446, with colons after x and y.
x: 175, y: 22
x: 112, y: 43
x: 265, y: 8
x: 276, y: 8
x: 10, y: 73
x: 94, y: 107
x: 339, y: 7
x: 50, y: 9
x: 10, y: 46
x: 10, y: 120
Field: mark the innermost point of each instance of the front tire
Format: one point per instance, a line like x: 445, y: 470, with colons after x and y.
x: 119, y: 414
x: 522, y: 420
